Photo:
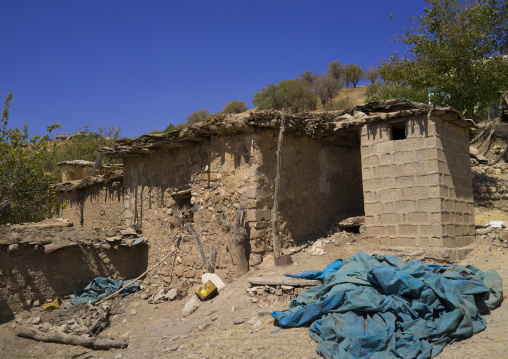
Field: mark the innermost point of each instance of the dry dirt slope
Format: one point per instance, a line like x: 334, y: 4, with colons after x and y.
x: 159, y: 331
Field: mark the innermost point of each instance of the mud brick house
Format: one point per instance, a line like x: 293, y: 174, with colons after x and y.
x: 404, y: 166
x: 79, y: 169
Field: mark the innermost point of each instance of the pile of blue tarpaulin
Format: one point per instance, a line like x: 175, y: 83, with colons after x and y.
x: 100, y: 288
x: 378, y: 306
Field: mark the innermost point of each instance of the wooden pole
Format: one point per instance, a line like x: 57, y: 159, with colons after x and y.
x: 275, y: 212
x: 134, y: 280
x: 198, y: 244
x: 69, y: 339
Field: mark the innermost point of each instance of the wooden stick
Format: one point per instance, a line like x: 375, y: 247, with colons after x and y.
x: 198, y: 243
x: 211, y: 259
x: 134, y: 280
x: 69, y: 339
x: 277, y: 252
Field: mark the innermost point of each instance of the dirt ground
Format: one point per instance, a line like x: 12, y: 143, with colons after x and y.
x: 232, y: 325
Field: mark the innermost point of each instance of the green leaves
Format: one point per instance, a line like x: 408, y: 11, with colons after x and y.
x: 235, y: 107
x: 22, y: 162
x: 296, y: 95
x: 457, y: 46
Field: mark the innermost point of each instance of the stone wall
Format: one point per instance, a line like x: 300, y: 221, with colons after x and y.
x: 417, y: 183
x: 207, y: 181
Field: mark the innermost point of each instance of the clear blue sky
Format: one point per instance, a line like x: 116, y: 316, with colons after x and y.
x: 144, y: 64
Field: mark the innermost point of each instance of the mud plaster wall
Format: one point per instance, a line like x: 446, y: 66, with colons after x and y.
x: 100, y: 206
x: 74, y: 173
x: 319, y: 181
x: 27, y: 274
x: 418, y: 190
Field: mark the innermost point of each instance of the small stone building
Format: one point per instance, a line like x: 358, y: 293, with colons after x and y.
x: 402, y: 165
x: 79, y: 169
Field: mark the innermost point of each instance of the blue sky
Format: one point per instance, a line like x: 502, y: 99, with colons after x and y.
x: 142, y: 65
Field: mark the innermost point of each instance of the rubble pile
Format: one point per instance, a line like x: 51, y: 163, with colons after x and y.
x: 80, y: 320
x: 266, y: 288
x: 494, y: 233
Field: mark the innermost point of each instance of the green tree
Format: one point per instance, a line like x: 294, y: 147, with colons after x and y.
x: 336, y: 70
x: 84, y: 145
x: 458, y: 47
x: 22, y: 163
x: 235, y: 107
x: 198, y: 116
x: 378, y: 92
x: 326, y: 87
x: 372, y: 75
x: 171, y: 127
x: 308, y: 77
x: 295, y: 95
x: 353, y: 74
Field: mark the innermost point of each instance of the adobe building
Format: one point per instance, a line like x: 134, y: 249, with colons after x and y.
x: 404, y: 166
x: 79, y: 169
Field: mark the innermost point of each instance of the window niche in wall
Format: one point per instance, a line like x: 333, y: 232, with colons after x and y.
x: 399, y: 131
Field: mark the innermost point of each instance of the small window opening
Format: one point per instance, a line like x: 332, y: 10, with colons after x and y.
x: 399, y: 131
x: 183, y: 201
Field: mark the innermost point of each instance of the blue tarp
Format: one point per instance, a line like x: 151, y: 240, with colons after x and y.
x: 100, y: 288
x: 382, y: 307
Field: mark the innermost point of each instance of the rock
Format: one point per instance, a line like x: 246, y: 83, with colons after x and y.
x: 255, y: 259
x: 36, y: 303
x: 257, y: 325
x: 485, y: 230
x: 191, y: 306
x: 204, y: 326
x: 173, y: 348
x: 12, y: 248
x: 214, y: 278
x: 173, y: 292
x: 254, y: 300
x: 64, y: 328
x: 133, y: 312
x: 46, y: 327
x: 237, y: 321
x: 278, y: 291
x: 110, y: 233
x: 118, y: 356
x: 36, y: 320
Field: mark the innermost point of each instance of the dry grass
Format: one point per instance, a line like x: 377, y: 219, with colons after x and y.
x: 348, y: 97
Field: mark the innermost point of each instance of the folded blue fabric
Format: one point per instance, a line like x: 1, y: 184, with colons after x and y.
x: 100, y: 288
x: 381, y: 307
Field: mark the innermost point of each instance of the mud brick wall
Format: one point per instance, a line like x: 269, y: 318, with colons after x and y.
x: 100, y: 206
x: 211, y: 178
x: 417, y: 189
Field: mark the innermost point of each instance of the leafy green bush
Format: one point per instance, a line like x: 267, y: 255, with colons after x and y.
x: 22, y: 163
x: 378, y: 92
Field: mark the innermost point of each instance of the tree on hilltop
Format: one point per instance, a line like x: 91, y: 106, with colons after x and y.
x: 198, y: 116
x: 353, y: 74
x: 235, y: 107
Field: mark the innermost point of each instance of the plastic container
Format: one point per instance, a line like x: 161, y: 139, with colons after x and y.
x: 206, y: 291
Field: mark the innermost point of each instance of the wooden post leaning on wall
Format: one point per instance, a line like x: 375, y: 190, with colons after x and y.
x: 277, y: 251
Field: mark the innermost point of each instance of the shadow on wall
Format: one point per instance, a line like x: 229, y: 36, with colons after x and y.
x: 319, y: 181
x: 30, y: 275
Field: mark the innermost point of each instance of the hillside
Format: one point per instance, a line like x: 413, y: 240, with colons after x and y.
x: 346, y: 98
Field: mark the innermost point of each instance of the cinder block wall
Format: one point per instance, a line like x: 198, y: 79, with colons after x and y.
x: 417, y: 190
